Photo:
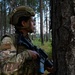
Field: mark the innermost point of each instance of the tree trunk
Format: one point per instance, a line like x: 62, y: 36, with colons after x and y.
x: 41, y: 22
x: 63, y: 56
x: 25, y: 2
x: 50, y: 20
x: 4, y: 17
x: 47, y: 21
x: 0, y: 19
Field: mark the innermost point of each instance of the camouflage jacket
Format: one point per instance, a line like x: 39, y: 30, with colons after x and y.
x: 19, y: 64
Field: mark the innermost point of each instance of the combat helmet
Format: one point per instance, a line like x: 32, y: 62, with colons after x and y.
x: 19, y: 12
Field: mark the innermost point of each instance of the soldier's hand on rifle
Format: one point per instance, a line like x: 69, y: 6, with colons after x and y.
x: 51, y: 70
x: 33, y: 54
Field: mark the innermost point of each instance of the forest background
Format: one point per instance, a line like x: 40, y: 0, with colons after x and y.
x: 61, y: 22
x: 42, y: 36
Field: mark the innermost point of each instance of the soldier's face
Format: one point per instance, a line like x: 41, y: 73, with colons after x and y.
x: 30, y: 25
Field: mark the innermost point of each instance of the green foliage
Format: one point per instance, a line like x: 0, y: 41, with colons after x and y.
x: 47, y: 47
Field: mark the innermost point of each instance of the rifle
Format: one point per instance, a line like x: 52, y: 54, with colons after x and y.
x: 43, y: 59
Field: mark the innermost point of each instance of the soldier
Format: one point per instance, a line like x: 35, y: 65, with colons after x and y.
x: 23, y: 21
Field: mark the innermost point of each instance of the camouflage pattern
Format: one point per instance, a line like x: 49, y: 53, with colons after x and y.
x: 19, y: 12
x: 30, y: 66
x: 18, y: 64
x: 12, y: 64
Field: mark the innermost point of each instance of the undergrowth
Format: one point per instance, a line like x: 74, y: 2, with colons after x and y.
x: 47, y: 47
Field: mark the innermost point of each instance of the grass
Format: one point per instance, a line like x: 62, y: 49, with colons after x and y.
x: 46, y: 47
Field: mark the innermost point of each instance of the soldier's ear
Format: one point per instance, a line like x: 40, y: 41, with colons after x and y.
x: 23, y: 23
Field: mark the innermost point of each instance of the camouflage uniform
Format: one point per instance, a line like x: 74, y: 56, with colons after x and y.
x: 18, y: 64
x: 21, y: 63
